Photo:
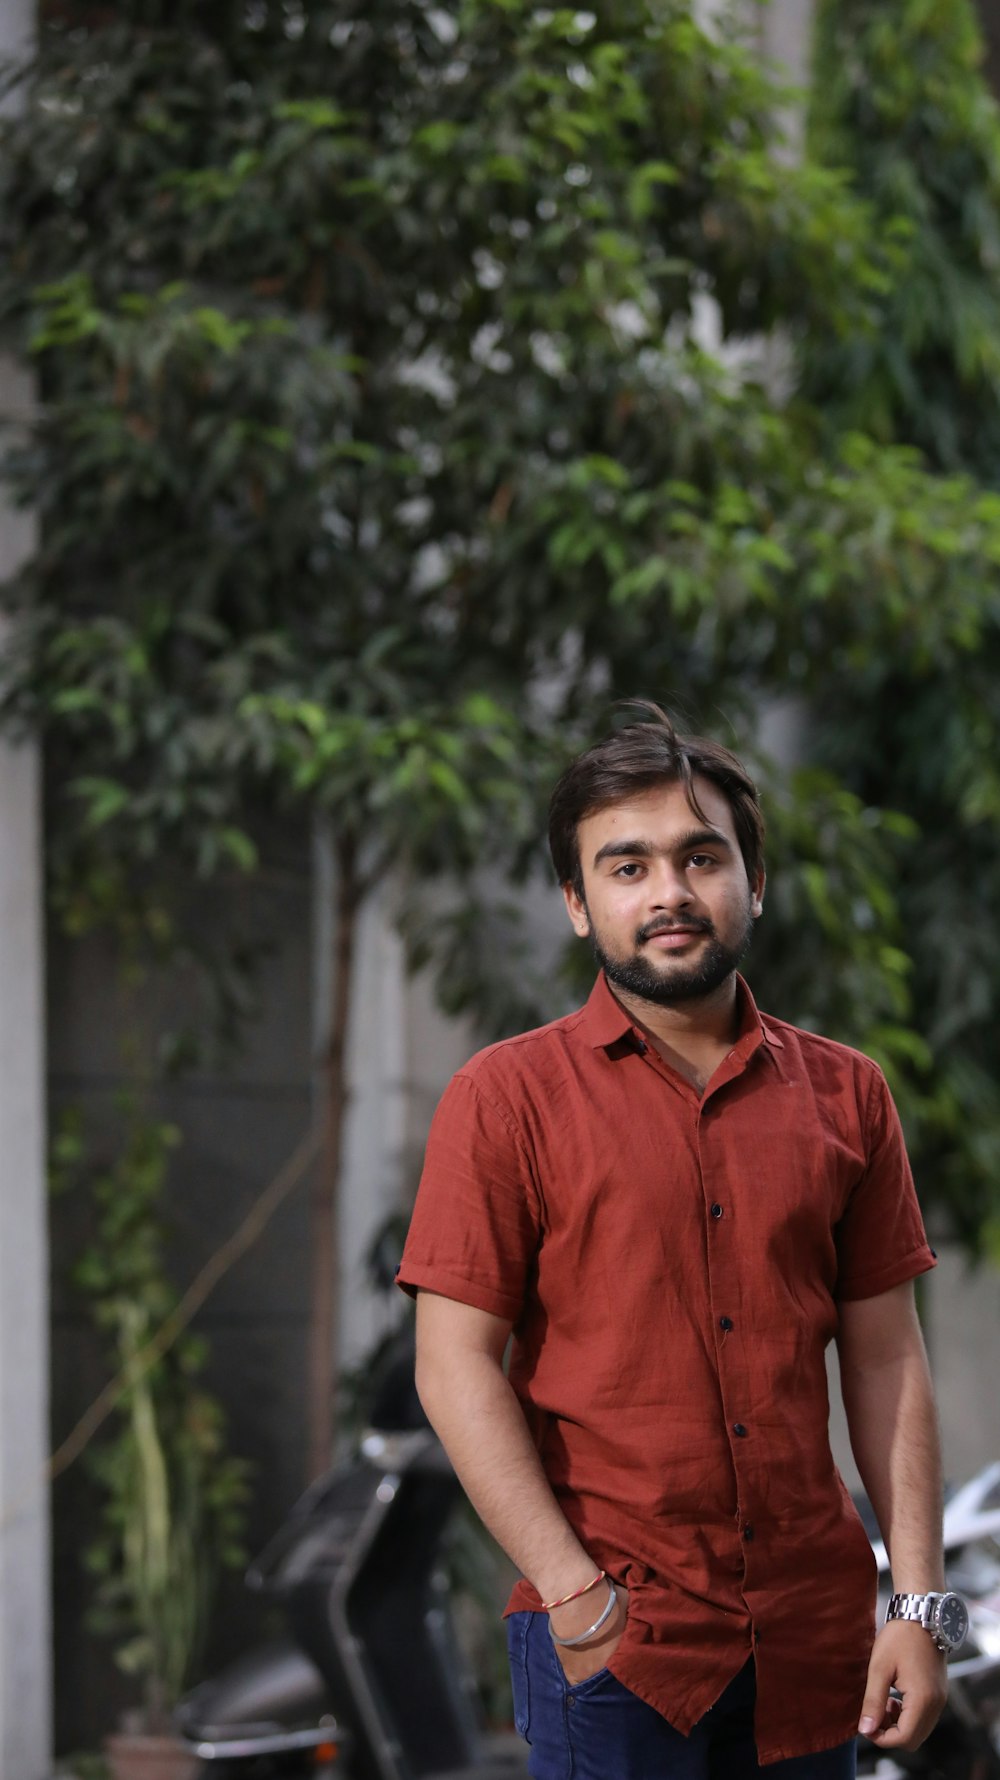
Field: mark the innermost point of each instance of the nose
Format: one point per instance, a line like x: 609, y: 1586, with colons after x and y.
x: 669, y: 887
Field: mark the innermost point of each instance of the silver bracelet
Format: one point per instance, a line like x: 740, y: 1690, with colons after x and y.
x: 582, y: 1637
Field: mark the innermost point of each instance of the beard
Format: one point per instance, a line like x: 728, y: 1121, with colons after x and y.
x: 637, y: 975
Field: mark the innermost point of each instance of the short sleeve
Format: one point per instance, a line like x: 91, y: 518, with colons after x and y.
x: 475, y: 1226
x: 881, y: 1241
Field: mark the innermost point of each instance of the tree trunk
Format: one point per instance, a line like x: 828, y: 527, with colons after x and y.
x: 322, y: 1383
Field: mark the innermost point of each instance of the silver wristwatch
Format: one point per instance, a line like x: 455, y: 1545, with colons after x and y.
x: 945, y: 1617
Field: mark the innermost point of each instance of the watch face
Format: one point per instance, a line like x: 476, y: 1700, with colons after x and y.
x: 953, y: 1620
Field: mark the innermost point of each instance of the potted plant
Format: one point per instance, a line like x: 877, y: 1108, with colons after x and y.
x: 172, y: 1498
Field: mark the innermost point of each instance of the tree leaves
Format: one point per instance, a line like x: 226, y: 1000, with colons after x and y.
x: 903, y: 104
x: 407, y: 360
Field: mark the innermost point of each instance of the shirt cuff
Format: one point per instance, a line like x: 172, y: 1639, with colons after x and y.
x: 411, y: 1277
x: 895, y: 1273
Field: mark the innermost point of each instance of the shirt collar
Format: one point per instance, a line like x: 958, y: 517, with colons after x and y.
x: 605, y: 1021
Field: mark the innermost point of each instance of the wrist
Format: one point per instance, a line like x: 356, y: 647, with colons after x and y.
x: 566, y: 1577
x: 941, y: 1614
x: 597, y: 1613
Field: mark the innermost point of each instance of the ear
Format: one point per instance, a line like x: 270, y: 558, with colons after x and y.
x: 757, y: 896
x: 576, y: 909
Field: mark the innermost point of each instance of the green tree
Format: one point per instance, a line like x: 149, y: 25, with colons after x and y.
x: 904, y: 105
x: 380, y: 445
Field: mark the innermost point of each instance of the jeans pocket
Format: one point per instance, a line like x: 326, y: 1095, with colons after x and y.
x: 563, y: 1681
x: 517, y: 1637
x: 592, y: 1684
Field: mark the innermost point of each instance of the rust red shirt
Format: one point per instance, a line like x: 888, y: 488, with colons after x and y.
x: 672, y: 1264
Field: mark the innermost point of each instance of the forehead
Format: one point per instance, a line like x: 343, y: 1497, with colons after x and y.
x: 660, y: 816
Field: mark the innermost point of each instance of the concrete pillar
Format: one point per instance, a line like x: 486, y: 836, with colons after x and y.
x: 962, y: 1326
x: 785, y: 34
x: 25, y: 1613
x: 376, y: 1126
x: 25, y: 1629
x: 374, y: 1136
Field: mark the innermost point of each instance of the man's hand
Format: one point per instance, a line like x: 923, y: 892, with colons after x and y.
x: 569, y: 1621
x: 903, y: 1657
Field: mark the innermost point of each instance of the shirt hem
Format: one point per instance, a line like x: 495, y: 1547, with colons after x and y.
x: 828, y: 1739
x: 681, y: 1719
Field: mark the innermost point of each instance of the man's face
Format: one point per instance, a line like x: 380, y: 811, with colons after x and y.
x: 666, y: 904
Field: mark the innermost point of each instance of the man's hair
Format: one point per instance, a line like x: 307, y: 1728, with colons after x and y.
x: 638, y: 758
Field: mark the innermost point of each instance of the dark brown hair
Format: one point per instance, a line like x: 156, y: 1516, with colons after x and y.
x: 637, y: 758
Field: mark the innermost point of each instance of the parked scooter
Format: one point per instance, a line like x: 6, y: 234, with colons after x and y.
x: 965, y: 1745
x: 372, y: 1683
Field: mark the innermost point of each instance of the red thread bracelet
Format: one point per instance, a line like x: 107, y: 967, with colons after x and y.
x: 550, y: 1606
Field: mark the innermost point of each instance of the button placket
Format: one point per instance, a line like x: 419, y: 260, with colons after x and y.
x: 726, y: 1298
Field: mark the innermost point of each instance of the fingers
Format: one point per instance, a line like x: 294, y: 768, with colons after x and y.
x: 873, y: 1723
x: 880, y: 1711
x: 911, y: 1666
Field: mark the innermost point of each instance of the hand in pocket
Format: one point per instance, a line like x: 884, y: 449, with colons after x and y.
x: 580, y: 1663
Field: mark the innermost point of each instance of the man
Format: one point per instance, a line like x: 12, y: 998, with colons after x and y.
x: 673, y: 1203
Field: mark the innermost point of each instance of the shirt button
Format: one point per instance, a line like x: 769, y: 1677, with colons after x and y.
x: 717, y: 1211
x: 725, y: 1322
x: 748, y: 1532
x: 739, y: 1429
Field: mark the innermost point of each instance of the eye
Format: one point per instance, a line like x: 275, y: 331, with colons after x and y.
x: 701, y: 859
x: 628, y: 870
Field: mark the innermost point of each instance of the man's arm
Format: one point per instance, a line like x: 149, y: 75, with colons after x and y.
x: 473, y: 1410
x: 891, y: 1417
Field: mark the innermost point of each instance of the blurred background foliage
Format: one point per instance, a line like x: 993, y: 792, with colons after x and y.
x: 902, y: 104
x: 173, y: 1500
x: 414, y: 380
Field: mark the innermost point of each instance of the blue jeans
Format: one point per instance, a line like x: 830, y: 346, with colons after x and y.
x: 600, y: 1731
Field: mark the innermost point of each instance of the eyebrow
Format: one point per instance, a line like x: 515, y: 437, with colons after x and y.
x: 686, y: 843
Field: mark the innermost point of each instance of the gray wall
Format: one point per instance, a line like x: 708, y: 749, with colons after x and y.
x: 239, y: 1122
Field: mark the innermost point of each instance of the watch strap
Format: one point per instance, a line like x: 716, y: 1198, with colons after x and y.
x: 919, y: 1608
x: 909, y: 1606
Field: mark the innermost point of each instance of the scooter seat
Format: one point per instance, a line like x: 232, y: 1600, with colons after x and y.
x: 270, y: 1691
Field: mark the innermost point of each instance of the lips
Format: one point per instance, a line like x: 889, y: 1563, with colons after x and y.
x: 676, y: 927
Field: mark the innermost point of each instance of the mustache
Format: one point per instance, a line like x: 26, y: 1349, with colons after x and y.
x: 698, y: 922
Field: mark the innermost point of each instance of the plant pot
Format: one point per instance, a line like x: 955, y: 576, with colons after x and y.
x: 133, y: 1756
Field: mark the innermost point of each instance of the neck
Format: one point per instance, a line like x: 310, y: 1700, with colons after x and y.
x: 692, y: 1035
